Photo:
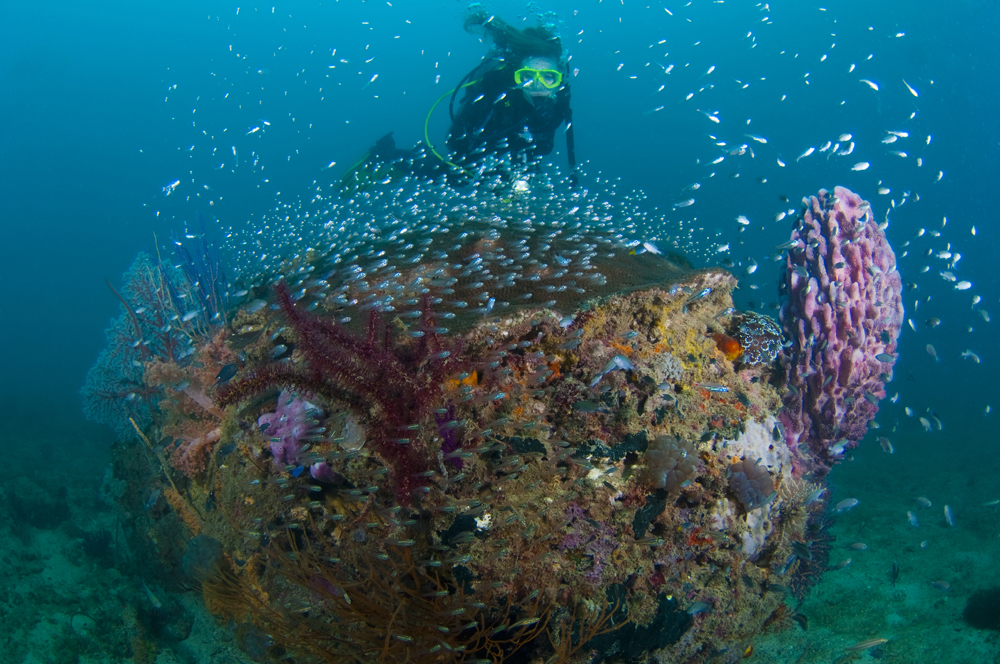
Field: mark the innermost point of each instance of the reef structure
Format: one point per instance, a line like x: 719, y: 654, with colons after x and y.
x: 523, y: 497
x: 842, y: 312
x: 492, y: 432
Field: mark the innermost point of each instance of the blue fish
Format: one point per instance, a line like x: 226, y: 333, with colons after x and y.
x: 226, y: 373
x: 699, y: 607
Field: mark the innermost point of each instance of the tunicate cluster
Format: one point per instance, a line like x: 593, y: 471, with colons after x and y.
x: 353, y: 435
x: 670, y: 462
x: 751, y: 483
x: 666, y: 368
x: 760, y: 336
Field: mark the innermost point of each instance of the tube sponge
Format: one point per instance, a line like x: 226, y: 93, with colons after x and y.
x: 842, y: 312
x: 670, y: 462
x: 751, y: 483
x: 287, y: 426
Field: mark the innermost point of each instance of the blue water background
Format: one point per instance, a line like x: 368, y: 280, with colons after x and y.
x: 92, y: 129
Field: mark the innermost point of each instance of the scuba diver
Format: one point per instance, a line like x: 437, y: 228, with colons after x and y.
x: 513, y: 103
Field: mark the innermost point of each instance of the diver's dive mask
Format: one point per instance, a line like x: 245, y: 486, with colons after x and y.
x: 547, y: 78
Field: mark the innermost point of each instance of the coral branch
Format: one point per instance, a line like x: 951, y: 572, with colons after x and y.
x: 388, y: 384
x: 131, y: 314
x: 192, y: 457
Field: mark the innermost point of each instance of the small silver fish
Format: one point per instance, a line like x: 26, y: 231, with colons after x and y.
x: 969, y: 355
x: 700, y: 295
x: 153, y: 599
x: 913, y: 519
x: 949, y: 517
x: 812, y: 497
x: 698, y: 607
x: 256, y: 306
x: 622, y: 363
x: 870, y: 643
x: 845, y: 505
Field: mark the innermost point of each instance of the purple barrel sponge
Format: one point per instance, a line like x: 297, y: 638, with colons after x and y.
x: 842, y: 310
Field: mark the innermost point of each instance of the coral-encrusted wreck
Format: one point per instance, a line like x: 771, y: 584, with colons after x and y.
x: 493, y: 441
x: 517, y: 495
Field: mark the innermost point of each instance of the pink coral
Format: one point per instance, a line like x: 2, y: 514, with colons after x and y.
x: 192, y: 457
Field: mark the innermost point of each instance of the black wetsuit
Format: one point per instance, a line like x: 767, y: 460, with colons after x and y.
x: 494, y: 118
x: 495, y: 109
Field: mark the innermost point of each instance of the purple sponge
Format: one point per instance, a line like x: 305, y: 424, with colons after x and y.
x: 286, y: 427
x: 842, y: 310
